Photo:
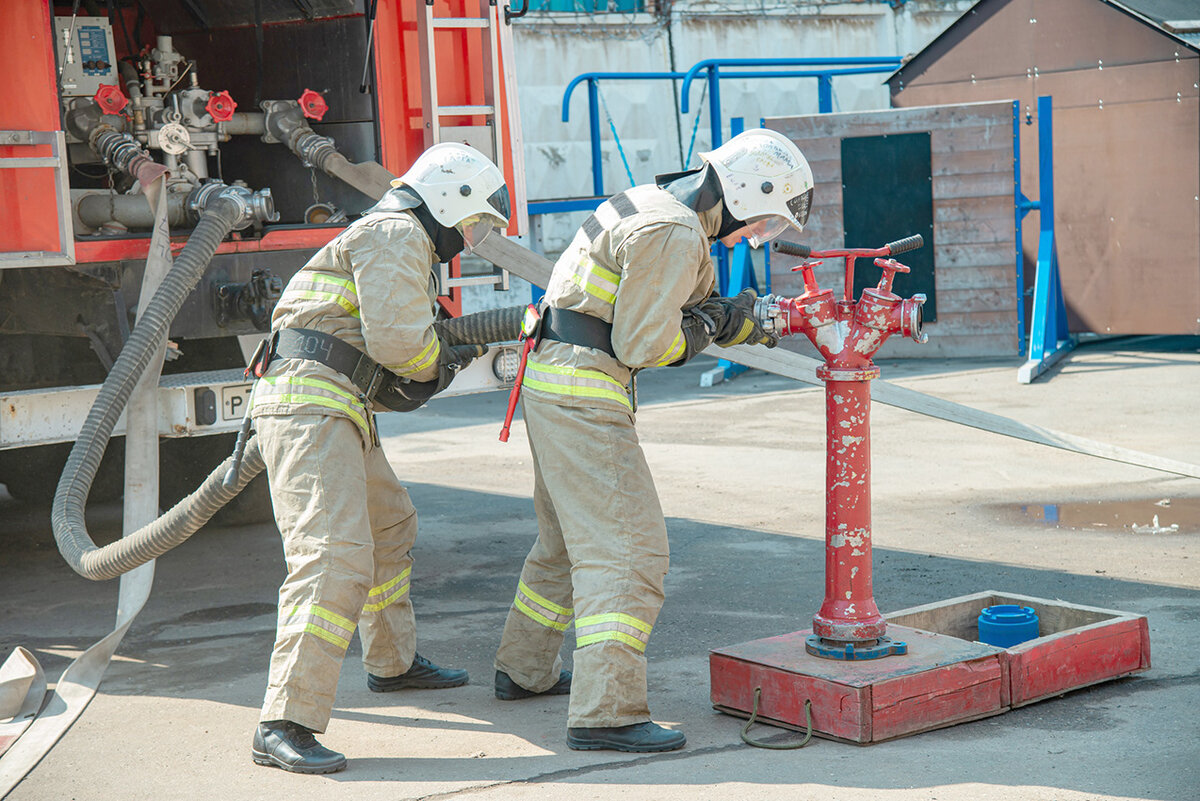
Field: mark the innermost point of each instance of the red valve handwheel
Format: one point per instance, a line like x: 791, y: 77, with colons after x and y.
x: 220, y: 106
x: 313, y: 105
x: 110, y: 98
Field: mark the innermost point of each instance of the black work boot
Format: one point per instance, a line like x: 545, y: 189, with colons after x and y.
x: 509, y: 690
x: 423, y: 675
x: 287, y: 745
x: 638, y: 737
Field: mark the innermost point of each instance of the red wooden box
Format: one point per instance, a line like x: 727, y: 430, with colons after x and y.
x: 1077, y: 645
x: 940, y: 681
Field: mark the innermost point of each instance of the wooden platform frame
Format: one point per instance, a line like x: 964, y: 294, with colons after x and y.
x: 947, y: 677
x: 1078, y: 645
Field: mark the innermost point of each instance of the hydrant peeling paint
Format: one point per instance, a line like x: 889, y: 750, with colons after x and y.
x: 847, y: 334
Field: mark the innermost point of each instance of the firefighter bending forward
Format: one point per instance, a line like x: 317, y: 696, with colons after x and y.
x: 632, y: 291
x: 353, y: 333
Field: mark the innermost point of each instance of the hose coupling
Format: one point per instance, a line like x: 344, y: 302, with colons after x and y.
x: 312, y: 148
x: 771, y: 315
x: 911, y: 319
x: 254, y: 208
x: 116, y: 149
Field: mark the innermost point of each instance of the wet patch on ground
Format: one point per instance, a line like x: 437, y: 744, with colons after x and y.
x: 1139, y: 516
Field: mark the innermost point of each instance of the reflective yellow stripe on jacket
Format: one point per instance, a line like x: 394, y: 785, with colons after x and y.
x: 315, y: 391
x: 312, y: 285
x: 623, y: 628
x: 541, y: 610
x: 673, y: 353
x: 425, y: 358
x: 574, y: 382
x: 598, y: 282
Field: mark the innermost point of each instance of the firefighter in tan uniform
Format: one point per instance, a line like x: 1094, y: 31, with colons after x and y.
x: 353, y: 333
x: 632, y: 291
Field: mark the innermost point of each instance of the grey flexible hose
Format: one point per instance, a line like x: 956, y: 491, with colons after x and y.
x: 187, y: 516
x: 482, y: 328
x: 67, y: 515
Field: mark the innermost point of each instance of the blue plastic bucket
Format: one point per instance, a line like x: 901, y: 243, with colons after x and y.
x: 1005, y: 625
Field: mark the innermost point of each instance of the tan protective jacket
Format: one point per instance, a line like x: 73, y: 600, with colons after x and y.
x: 637, y: 263
x: 372, y: 287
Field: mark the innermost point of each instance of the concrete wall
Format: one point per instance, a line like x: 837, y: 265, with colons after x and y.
x: 552, y: 48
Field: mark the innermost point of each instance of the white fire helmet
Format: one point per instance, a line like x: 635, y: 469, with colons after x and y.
x: 767, y: 183
x: 461, y: 188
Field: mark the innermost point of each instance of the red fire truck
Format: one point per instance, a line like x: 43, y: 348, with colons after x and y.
x: 266, y: 101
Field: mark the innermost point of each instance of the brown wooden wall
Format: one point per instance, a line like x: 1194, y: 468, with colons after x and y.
x: 1126, y: 154
x: 973, y: 225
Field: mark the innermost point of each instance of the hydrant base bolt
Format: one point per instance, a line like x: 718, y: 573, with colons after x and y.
x: 853, y: 652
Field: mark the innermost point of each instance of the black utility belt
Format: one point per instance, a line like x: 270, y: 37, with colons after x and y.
x: 577, y: 328
x: 364, y: 372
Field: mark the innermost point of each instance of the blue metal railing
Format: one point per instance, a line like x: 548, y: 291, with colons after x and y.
x: 593, y: 96
x: 830, y: 67
x: 711, y: 67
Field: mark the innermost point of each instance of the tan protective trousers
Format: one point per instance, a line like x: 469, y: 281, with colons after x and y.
x: 601, y: 555
x: 348, y: 527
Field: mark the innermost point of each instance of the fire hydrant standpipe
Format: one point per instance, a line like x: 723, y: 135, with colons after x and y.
x: 847, y: 333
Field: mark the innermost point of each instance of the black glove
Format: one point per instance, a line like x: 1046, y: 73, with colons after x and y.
x: 698, y: 331
x: 452, y: 358
x: 736, y: 322
x: 401, y: 395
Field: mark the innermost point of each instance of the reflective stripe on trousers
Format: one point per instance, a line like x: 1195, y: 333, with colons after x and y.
x: 321, y: 622
x: 616, y: 626
x: 386, y: 594
x: 540, y: 610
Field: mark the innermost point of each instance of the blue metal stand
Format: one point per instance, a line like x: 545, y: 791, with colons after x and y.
x: 1049, y: 339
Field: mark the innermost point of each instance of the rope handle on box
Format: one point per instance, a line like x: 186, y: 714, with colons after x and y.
x: 777, y: 747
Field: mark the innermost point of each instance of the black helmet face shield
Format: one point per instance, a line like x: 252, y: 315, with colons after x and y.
x: 500, y: 202
x: 800, y: 205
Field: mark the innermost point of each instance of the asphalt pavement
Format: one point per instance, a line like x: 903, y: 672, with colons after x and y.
x: 740, y: 468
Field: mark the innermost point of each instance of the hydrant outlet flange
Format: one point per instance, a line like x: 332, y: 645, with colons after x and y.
x: 853, y: 652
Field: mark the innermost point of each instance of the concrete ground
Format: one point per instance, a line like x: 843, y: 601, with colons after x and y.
x: 740, y: 471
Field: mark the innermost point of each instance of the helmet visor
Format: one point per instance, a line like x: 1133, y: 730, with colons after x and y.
x: 761, y: 230
x: 500, y: 202
x: 475, y: 229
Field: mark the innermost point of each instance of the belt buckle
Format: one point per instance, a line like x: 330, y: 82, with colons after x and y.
x: 375, y: 382
x: 368, y: 384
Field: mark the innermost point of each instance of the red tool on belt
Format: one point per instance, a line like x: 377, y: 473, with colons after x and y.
x: 530, y: 335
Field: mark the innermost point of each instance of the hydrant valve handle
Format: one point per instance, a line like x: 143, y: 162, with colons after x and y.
x: 890, y: 268
x: 904, y: 245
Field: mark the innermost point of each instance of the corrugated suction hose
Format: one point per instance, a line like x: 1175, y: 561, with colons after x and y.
x: 155, y: 539
x: 187, y: 516
x: 482, y: 328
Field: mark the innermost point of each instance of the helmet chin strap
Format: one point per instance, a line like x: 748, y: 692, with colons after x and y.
x: 447, y: 242
x: 700, y: 190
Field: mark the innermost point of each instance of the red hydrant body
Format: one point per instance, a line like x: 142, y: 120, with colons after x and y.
x: 847, y: 334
